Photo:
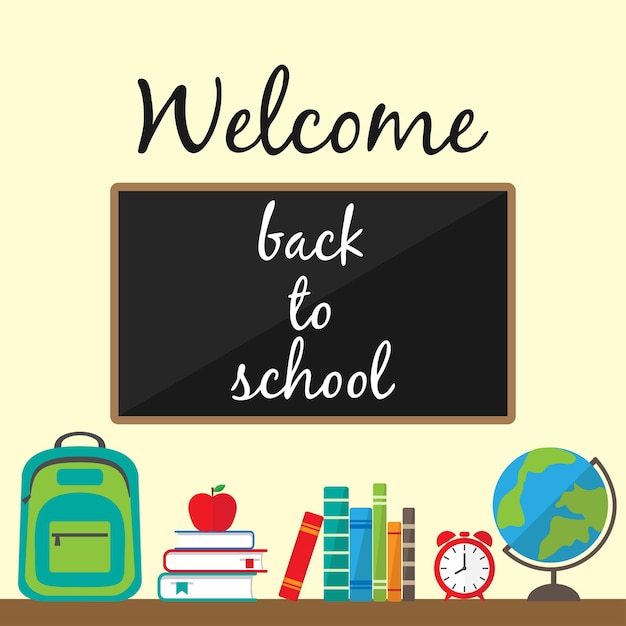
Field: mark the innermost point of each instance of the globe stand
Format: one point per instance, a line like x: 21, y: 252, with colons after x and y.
x: 553, y: 592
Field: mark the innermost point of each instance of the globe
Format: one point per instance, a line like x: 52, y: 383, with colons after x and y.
x: 551, y: 506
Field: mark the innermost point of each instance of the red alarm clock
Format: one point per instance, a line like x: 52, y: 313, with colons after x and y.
x: 464, y: 567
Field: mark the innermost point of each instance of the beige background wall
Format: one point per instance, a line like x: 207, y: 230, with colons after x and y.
x: 546, y: 81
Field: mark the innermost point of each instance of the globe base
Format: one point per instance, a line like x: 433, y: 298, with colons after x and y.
x: 553, y: 593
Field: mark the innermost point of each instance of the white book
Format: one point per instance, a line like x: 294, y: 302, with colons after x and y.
x: 226, y: 540
x: 206, y: 587
x: 213, y: 560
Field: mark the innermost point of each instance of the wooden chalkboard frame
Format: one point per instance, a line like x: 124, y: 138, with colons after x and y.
x: 506, y: 418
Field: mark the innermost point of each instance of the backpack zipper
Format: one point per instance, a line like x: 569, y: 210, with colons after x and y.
x: 57, y: 536
x: 91, y: 459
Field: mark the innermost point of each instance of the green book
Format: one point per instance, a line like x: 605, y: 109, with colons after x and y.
x: 379, y: 543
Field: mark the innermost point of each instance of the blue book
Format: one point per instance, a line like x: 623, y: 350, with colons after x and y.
x: 360, y: 554
x: 336, y: 548
x: 218, y: 540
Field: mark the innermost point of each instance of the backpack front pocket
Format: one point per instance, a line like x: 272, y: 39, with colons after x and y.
x: 79, y: 542
x: 80, y: 547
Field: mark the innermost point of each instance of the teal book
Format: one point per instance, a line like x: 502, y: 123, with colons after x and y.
x: 360, y: 554
x: 336, y: 544
x: 206, y: 587
x: 379, y: 545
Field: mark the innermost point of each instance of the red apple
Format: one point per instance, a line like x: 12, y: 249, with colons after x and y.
x: 212, y: 513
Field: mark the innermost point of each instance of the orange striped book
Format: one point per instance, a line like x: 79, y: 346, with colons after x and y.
x: 301, y: 556
x: 394, y: 561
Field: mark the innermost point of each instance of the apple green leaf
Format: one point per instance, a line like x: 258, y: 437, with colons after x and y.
x: 219, y: 487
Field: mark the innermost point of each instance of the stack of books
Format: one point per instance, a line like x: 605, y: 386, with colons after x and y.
x: 211, y: 566
x: 366, y: 557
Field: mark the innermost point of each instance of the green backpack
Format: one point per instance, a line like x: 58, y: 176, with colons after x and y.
x: 79, y: 524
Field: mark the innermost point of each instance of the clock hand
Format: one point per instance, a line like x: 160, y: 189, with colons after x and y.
x: 463, y: 568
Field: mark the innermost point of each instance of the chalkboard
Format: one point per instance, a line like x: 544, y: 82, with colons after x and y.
x: 312, y: 303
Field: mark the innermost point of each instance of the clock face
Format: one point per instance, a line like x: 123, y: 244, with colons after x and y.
x: 465, y: 568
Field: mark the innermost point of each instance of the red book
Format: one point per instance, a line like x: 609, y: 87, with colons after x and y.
x: 214, y: 560
x: 301, y: 556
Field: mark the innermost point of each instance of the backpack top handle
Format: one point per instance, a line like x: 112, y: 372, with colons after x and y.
x: 59, y: 441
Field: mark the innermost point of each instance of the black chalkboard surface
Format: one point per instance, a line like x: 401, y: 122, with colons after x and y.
x: 305, y: 303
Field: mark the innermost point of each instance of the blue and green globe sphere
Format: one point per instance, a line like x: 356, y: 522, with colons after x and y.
x: 550, y: 505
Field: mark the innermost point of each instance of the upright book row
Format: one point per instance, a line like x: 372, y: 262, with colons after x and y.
x: 366, y: 557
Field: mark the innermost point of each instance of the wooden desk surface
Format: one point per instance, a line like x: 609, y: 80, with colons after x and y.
x: 314, y: 613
